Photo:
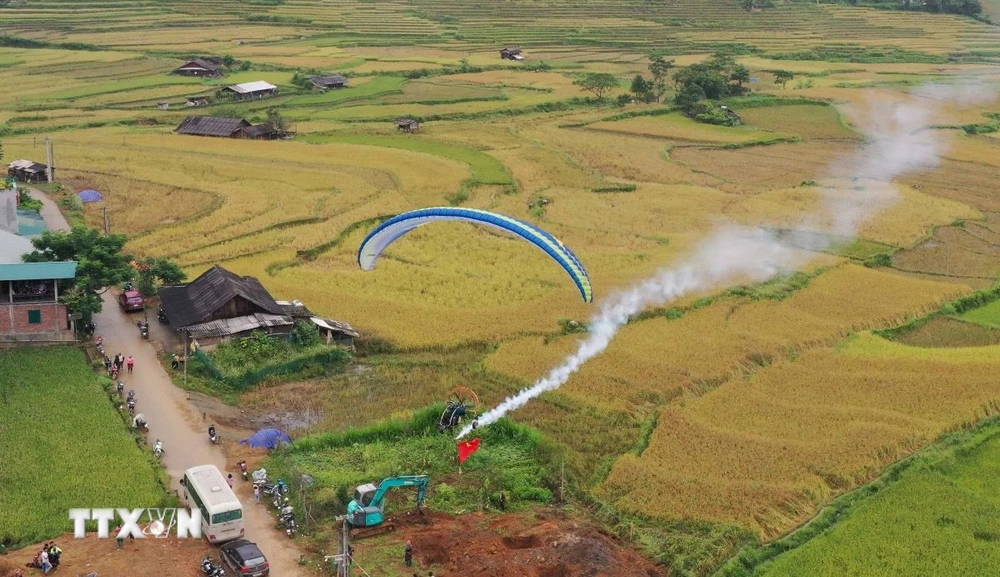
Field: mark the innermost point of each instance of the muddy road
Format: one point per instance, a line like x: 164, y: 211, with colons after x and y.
x: 174, y: 420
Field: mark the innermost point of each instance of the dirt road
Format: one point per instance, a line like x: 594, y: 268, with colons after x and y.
x: 174, y: 420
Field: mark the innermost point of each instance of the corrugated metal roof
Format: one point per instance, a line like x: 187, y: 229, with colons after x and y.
x: 211, y: 126
x: 236, y: 325
x: 13, y: 246
x: 38, y: 270
x: 335, y: 326
x: 248, y: 87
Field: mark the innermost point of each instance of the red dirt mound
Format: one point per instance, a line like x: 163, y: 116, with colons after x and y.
x: 547, y: 543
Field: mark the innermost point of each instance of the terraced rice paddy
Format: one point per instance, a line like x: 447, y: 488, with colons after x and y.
x: 728, y: 417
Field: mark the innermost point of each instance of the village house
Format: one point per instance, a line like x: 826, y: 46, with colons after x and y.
x: 30, y: 310
x: 209, y: 67
x: 408, y: 124
x: 28, y: 171
x: 197, y: 101
x: 250, y: 90
x: 328, y: 82
x: 511, y: 53
x: 220, y: 305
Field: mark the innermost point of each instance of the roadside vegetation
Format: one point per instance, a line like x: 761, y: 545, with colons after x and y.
x: 65, y: 446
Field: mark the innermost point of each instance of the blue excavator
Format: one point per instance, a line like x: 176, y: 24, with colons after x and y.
x: 366, y: 513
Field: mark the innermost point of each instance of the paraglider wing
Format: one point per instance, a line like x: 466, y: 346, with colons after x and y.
x: 391, y: 230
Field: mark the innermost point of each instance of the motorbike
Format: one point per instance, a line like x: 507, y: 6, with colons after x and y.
x: 143, y: 329
x: 213, y: 436
x: 290, y: 527
x: 210, y: 568
x: 141, y: 424
x: 158, y: 449
x: 243, y: 470
x: 276, y: 489
x: 121, y: 388
x: 131, y: 406
x: 161, y: 315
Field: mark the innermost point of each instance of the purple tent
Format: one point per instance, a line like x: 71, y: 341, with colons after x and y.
x: 267, y: 439
x: 90, y: 196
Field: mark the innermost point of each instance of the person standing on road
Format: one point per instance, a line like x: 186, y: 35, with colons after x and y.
x: 119, y: 538
x: 175, y: 362
x: 256, y: 493
x: 230, y: 480
x: 130, y: 363
x: 408, y: 554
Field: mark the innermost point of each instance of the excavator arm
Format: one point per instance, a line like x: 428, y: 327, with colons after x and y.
x: 419, y: 481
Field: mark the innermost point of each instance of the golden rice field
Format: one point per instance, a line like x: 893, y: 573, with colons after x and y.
x: 766, y: 404
x: 766, y: 453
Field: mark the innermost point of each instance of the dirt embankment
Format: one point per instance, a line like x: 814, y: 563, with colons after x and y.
x: 162, y: 557
x: 546, y: 543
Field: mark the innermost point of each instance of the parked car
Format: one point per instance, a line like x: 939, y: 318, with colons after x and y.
x: 131, y: 300
x: 245, y: 558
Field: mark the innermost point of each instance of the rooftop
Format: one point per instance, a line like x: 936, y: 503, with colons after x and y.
x: 12, y: 247
x: 38, y: 270
x: 211, y: 126
x: 248, y: 87
x: 194, y: 302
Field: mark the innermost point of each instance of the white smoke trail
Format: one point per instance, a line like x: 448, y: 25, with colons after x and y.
x: 899, y: 144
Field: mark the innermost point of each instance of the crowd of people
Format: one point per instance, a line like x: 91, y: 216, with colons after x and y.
x: 48, y: 558
x: 115, y: 365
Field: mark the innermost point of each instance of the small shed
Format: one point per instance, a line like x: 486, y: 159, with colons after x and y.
x: 197, y: 101
x: 28, y: 171
x: 408, y: 124
x: 251, y: 90
x: 261, y: 132
x: 163, y: 105
x: 511, y: 53
x: 328, y: 82
x: 335, y: 332
x: 208, y: 67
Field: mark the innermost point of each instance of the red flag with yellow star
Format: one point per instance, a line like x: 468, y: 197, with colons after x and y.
x: 466, y: 449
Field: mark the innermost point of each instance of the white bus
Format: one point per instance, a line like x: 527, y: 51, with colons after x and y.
x: 221, y: 512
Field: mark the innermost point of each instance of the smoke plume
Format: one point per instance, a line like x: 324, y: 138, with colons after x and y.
x: 899, y: 143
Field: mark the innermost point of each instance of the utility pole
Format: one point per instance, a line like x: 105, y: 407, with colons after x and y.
x: 107, y: 223
x: 345, y: 548
x: 48, y: 159
x: 185, y: 360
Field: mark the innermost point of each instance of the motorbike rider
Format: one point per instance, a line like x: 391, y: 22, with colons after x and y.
x: 139, y: 422
x: 211, y: 432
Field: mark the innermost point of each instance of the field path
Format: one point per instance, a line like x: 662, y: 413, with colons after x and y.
x: 174, y: 419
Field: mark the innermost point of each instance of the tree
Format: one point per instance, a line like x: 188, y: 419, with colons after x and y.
x: 659, y: 68
x: 599, y: 83
x: 782, y: 77
x: 642, y: 89
x: 688, y: 97
x: 740, y: 75
x: 155, y: 272
x: 276, y: 120
x: 100, y: 259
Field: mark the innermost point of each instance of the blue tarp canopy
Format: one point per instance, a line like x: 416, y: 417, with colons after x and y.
x: 267, y: 439
x: 90, y: 196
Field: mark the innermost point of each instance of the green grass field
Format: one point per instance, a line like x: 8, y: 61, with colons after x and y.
x: 941, y: 517
x: 64, y: 446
